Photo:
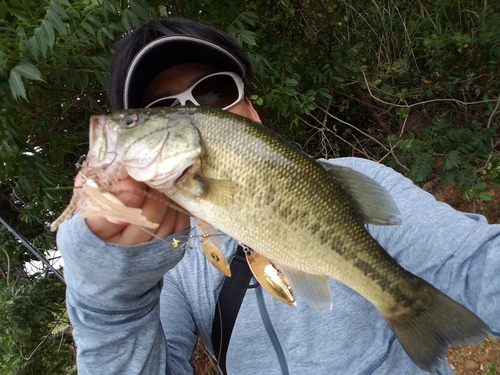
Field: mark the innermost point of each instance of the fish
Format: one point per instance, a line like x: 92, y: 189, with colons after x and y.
x: 307, y: 217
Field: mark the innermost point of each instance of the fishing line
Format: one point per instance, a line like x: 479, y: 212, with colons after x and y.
x: 175, y: 241
x: 32, y: 250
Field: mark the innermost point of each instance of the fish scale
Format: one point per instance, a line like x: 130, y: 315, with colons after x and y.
x: 307, y: 217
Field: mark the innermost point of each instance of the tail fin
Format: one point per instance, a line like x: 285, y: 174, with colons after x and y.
x: 434, y: 323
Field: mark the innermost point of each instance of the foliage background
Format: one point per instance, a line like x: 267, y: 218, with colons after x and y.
x: 413, y: 84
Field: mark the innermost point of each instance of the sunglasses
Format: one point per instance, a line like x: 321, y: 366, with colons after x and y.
x: 219, y: 90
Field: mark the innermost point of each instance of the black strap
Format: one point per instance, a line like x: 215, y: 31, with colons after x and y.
x: 227, y: 307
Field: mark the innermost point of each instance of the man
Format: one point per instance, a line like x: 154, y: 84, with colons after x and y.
x: 136, y: 307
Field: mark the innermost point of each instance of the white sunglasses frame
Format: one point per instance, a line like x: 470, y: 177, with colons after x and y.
x: 186, y: 95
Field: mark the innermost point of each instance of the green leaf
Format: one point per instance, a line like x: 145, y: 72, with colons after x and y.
x: 57, y: 73
x: 32, y: 48
x: 84, y: 80
x: 48, y: 32
x: 29, y: 71
x: 101, y: 78
x: 133, y: 20
x: 17, y: 4
x: 95, y: 21
x: 3, y: 9
x: 3, y: 63
x: 421, y: 167
x: 163, y: 10
x: 107, y: 33
x: 89, y: 28
x: 41, y: 43
x: 56, y: 21
x: 58, y: 8
x: 6, y: 147
x: 485, y: 196
x: 140, y: 11
x: 47, y: 203
x: 126, y: 22
x: 71, y: 78
x: 61, y: 59
x: 481, y: 186
x: 100, y: 40
x: 16, y: 85
x: 451, y: 159
x: 23, y: 16
x: 24, y: 183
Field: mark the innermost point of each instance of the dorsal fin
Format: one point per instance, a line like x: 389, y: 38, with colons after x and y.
x: 374, y: 203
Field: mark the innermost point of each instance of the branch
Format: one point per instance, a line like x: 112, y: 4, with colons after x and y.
x: 493, y: 145
x: 421, y: 103
x: 46, y: 336
x: 389, y: 151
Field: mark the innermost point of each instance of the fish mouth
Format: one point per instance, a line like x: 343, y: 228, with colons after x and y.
x: 184, y: 173
x: 165, y: 176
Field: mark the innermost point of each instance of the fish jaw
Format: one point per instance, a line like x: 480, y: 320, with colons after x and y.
x: 102, y: 141
x: 164, y: 176
x: 161, y: 167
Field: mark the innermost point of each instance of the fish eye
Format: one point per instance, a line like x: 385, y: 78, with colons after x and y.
x: 130, y: 120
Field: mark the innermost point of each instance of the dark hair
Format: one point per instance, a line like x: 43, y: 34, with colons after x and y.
x: 131, y: 44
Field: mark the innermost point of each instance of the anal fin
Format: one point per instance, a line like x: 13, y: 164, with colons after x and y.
x: 314, y: 289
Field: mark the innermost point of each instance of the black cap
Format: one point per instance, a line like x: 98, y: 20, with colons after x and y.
x: 167, y: 51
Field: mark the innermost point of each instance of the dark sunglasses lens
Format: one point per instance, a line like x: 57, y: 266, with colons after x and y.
x: 217, y: 91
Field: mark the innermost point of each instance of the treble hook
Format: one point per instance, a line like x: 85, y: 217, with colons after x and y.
x: 82, y: 163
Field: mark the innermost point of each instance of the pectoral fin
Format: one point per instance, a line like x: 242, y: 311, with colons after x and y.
x: 221, y: 192
x: 212, y: 245
x: 270, y: 278
x: 314, y: 289
x: 373, y: 201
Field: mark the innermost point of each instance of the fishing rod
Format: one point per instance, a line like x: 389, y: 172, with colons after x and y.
x: 40, y: 257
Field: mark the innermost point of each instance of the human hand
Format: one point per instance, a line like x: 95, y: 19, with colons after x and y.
x: 154, y: 207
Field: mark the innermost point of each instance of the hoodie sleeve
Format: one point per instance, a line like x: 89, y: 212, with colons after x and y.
x: 112, y: 297
x: 459, y: 253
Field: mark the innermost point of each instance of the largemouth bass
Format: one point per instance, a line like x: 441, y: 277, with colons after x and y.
x: 305, y: 216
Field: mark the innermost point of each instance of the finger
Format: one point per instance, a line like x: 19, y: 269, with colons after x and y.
x: 180, y: 222
x: 155, y: 209
x: 129, y: 193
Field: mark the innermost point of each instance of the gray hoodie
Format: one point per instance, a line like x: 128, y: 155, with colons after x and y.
x: 138, y: 309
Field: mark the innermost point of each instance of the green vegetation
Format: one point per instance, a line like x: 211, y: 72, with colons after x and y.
x: 413, y: 84
x: 492, y: 370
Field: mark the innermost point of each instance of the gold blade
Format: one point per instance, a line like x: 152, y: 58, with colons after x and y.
x: 269, y: 277
x: 211, y: 244
x: 215, y: 256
